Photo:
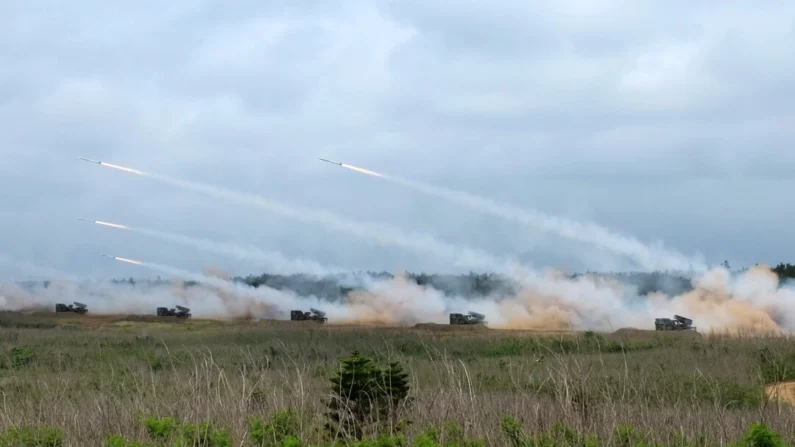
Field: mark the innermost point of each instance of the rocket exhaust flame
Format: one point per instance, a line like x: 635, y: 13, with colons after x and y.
x: 353, y: 168
x: 362, y: 170
x: 127, y: 260
x: 122, y: 168
x: 111, y: 165
x: 108, y: 224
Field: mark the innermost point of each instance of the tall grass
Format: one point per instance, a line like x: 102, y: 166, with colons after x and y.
x: 95, y: 382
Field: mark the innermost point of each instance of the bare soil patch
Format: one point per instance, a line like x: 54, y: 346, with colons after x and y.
x: 781, y: 391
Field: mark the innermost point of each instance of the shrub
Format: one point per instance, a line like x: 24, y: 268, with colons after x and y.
x: 364, y: 395
x: 283, y: 430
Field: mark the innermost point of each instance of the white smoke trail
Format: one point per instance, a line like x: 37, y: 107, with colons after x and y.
x: 276, y: 262
x: 458, y: 256
x: 215, y: 297
x: 227, y: 286
x: 650, y: 257
x: 237, y: 299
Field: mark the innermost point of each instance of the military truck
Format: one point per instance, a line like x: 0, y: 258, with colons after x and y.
x: 471, y: 318
x: 313, y: 314
x: 78, y: 308
x: 179, y: 312
x: 679, y: 323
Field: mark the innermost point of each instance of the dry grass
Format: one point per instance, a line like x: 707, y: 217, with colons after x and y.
x: 92, y: 377
x: 784, y: 391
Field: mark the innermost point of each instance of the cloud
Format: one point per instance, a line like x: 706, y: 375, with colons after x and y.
x: 665, y: 120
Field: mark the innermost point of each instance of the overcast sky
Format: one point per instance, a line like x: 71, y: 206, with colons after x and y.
x: 664, y: 120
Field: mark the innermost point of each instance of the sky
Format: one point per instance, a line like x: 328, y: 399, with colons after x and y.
x: 663, y: 120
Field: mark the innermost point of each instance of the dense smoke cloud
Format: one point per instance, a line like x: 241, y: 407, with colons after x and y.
x: 752, y: 300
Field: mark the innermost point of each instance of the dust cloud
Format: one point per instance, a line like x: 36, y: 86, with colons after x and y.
x: 716, y: 300
x: 394, y: 301
x: 242, y: 305
x: 751, y: 301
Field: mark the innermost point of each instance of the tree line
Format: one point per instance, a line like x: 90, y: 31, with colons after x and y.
x: 470, y: 285
x: 476, y: 285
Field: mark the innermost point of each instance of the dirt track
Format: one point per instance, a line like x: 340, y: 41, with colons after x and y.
x: 783, y: 391
x: 97, y: 321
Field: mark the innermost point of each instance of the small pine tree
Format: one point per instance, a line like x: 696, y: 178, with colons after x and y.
x: 354, y: 392
x: 395, y: 387
x: 363, y: 395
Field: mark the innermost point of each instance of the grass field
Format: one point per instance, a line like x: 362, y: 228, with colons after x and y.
x: 94, y: 381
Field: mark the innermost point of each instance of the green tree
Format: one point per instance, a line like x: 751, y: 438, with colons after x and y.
x: 363, y: 395
x: 784, y: 271
x: 395, y: 386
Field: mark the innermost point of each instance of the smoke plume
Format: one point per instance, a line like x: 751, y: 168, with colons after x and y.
x: 275, y: 262
x: 752, y: 301
x: 381, y: 233
x: 648, y: 256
